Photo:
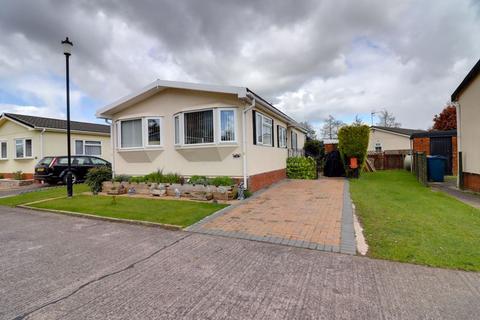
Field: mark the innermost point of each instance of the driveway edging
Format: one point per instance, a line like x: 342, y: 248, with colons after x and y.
x: 347, y: 233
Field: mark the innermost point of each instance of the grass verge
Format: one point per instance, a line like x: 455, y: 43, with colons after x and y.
x: 405, y: 221
x: 41, y: 194
x: 172, y: 212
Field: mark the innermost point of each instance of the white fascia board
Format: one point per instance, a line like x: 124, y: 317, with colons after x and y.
x: 391, y: 132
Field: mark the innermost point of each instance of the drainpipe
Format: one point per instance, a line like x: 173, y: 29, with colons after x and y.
x: 42, y: 153
x: 112, y: 144
x: 244, y: 143
x: 459, y: 147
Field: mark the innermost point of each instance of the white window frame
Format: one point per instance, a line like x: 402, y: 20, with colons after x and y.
x: 235, y: 134
x: 378, y: 145
x: 282, y: 143
x: 145, y: 132
x: 144, y: 126
x: 178, y: 116
x: 84, y: 144
x: 263, y: 117
x: 24, y: 148
x: 6, y: 144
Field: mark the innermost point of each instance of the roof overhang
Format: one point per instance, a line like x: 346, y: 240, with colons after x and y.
x: 392, y: 132
x: 160, y: 85
x: 472, y: 74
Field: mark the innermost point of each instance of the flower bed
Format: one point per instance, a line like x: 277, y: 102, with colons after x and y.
x: 195, y: 192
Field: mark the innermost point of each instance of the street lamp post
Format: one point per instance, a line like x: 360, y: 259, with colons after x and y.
x: 67, y: 50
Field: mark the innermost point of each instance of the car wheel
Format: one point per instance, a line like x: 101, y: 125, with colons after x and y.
x: 74, y: 178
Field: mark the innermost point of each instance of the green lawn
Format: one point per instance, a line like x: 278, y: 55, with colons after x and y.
x: 405, y: 221
x: 41, y: 194
x: 174, y: 212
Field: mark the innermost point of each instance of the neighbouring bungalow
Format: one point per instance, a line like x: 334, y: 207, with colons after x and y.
x: 24, y: 140
x: 198, y: 129
x: 390, y: 139
x: 467, y: 100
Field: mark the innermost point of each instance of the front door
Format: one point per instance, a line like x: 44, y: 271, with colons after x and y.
x: 442, y: 146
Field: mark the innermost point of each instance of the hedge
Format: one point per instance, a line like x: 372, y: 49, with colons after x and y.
x: 353, y: 143
x: 301, y: 168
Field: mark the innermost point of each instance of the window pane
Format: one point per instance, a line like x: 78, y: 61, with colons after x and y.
x: 78, y: 146
x: 131, y: 133
x: 3, y: 154
x: 19, y: 149
x: 177, y: 130
x: 198, y: 127
x: 153, y: 132
x: 267, y: 131
x: 28, y: 148
x: 93, y: 150
x: 258, y: 123
x: 93, y: 142
x: 227, y: 125
x: 282, y: 132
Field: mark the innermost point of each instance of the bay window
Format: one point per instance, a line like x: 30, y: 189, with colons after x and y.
x: 264, y: 129
x: 205, y: 126
x: 3, y: 150
x: 140, y: 133
x: 23, y: 148
x: 88, y: 148
x: 282, y: 137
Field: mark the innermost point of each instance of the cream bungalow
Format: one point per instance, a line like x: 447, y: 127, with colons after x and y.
x: 197, y: 129
x: 390, y: 139
x: 24, y: 140
x: 467, y: 99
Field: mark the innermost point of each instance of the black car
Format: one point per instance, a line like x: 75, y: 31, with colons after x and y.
x: 54, y: 169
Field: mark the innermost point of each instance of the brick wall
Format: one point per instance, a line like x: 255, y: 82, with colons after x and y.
x: 471, y: 181
x: 421, y: 145
x: 9, y: 175
x: 262, y: 180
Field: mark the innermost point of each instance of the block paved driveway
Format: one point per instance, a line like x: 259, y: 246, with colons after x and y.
x: 302, y: 213
x: 61, y: 267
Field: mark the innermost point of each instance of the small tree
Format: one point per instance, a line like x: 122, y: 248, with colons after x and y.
x: 331, y: 126
x: 316, y: 150
x: 446, y: 120
x: 311, y: 134
x: 387, y: 119
x: 353, y: 143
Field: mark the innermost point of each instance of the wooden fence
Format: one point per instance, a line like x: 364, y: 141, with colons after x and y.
x: 387, y: 160
x: 419, y: 167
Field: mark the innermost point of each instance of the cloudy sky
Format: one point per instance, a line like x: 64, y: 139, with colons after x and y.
x: 310, y: 58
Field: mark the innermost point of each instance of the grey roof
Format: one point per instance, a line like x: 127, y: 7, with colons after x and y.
x: 59, y: 124
x: 404, y: 131
x: 435, y: 133
x: 472, y: 74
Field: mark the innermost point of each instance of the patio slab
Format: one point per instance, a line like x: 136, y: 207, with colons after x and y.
x: 314, y: 214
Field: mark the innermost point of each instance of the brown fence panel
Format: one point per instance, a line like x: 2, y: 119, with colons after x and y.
x: 419, y: 166
x: 387, y: 160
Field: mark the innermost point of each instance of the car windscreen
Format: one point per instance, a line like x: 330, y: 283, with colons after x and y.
x: 45, y: 161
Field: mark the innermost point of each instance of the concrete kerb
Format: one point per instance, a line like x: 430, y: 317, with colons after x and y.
x: 347, y: 236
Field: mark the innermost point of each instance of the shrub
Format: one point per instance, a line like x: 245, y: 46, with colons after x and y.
x: 198, y: 180
x: 96, y: 176
x: 171, y: 178
x: 353, y: 143
x: 18, y: 175
x: 122, y: 178
x: 222, y: 181
x: 301, y: 168
x: 315, y: 149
